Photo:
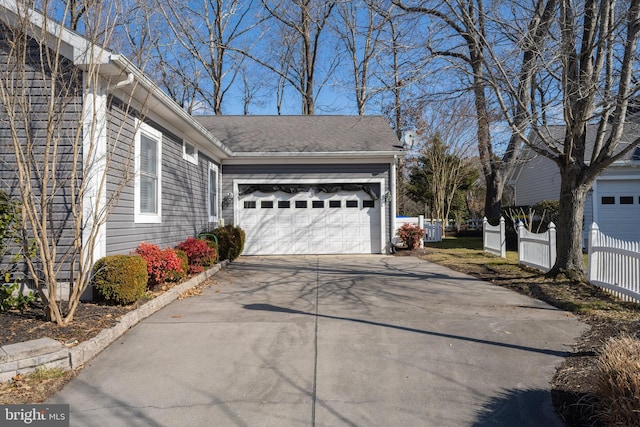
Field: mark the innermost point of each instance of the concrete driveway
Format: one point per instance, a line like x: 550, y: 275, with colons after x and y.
x: 332, y: 341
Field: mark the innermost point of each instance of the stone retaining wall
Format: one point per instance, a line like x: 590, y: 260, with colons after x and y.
x: 25, y: 357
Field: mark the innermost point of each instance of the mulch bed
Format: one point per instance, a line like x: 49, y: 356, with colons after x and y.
x: 30, y: 324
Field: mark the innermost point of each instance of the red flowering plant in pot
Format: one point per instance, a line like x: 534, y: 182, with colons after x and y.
x: 411, y: 235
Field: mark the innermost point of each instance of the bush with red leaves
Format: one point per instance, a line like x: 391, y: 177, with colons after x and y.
x: 200, y: 254
x: 411, y: 234
x: 162, y: 265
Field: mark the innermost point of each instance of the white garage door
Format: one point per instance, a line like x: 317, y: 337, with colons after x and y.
x: 619, y: 208
x: 306, y: 223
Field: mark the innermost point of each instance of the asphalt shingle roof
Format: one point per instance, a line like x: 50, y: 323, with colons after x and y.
x: 556, y: 134
x: 303, y: 134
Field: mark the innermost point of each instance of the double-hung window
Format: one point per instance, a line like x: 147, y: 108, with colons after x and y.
x: 212, y: 198
x: 148, y: 180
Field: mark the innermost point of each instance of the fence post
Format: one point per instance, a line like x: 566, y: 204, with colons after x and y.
x: 503, y: 239
x: 421, y: 225
x: 484, y: 233
x: 552, y: 244
x: 519, y: 229
x: 594, y: 256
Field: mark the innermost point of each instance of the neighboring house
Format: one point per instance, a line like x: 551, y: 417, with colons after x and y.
x: 613, y: 201
x: 296, y: 185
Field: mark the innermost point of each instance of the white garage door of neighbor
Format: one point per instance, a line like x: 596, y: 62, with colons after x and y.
x: 619, y: 208
x: 306, y: 224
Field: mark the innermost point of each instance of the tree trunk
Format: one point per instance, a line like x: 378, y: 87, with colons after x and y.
x: 573, y: 193
x: 493, y: 197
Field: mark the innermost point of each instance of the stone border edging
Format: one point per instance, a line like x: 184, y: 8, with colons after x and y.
x: 21, y: 358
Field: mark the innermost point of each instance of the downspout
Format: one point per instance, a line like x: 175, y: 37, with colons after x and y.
x: 123, y: 83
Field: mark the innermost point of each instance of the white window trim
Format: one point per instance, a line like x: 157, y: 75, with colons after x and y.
x: 213, y: 167
x: 189, y: 157
x: 146, y: 218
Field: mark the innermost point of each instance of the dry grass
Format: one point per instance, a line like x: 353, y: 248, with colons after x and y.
x: 35, y: 387
x: 618, y: 382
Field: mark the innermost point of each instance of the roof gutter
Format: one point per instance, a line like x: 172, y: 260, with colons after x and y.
x: 390, y: 154
x: 134, y: 73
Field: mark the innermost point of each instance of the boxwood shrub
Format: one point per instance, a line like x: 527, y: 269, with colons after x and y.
x: 230, y: 241
x: 120, y: 279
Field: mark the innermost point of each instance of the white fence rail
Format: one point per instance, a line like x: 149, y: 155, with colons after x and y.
x: 537, y: 250
x: 494, y: 238
x: 432, y: 232
x: 614, y: 264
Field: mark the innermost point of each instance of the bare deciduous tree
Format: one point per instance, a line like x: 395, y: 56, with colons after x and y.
x: 589, y: 54
x: 359, y: 32
x: 54, y: 118
x: 466, y: 22
x: 444, y: 164
x: 302, y: 24
x: 206, y: 31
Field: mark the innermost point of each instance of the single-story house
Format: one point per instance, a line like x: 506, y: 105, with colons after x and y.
x: 296, y: 185
x: 613, y: 201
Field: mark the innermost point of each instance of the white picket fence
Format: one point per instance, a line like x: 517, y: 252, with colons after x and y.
x: 432, y: 232
x: 537, y: 250
x: 614, y: 264
x: 494, y: 238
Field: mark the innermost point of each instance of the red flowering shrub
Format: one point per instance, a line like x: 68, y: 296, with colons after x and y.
x: 200, y: 254
x: 162, y: 265
x: 411, y: 234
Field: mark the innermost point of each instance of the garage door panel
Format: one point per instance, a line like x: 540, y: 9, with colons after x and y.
x: 301, y: 228
x: 619, y: 208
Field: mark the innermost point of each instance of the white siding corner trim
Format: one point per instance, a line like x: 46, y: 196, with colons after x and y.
x: 148, y: 178
x: 213, y: 192
x: 94, y: 158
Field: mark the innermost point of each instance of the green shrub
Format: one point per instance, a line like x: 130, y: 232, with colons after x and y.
x: 230, y: 241
x: 11, y: 298
x: 121, y: 279
x: 178, y: 276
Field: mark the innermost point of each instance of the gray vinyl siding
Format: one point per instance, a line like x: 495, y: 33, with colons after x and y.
x: 305, y: 171
x: 184, y: 191
x: 539, y: 180
x: 67, y: 122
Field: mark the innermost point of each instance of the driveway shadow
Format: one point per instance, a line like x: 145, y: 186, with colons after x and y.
x: 273, y: 308
x: 523, y: 408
